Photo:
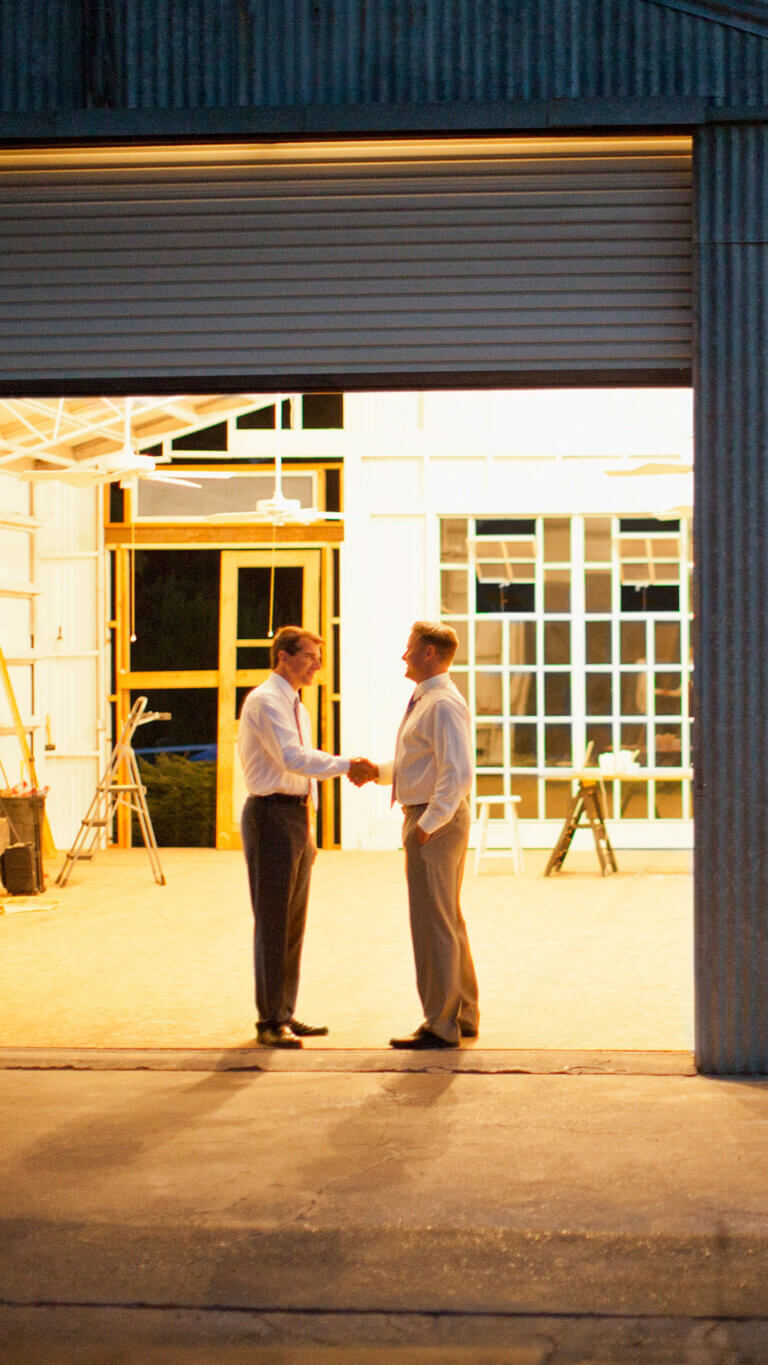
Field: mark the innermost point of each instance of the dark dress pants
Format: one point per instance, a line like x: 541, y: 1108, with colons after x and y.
x: 279, y: 853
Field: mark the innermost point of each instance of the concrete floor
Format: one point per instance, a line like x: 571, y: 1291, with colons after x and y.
x: 575, y: 961
x: 439, y: 1217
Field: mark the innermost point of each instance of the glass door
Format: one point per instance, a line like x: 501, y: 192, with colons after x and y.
x: 261, y: 590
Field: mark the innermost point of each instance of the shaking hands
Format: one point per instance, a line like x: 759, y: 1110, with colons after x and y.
x: 361, y: 770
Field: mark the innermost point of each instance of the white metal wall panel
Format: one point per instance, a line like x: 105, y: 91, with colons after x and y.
x: 70, y: 635
x: 480, y: 258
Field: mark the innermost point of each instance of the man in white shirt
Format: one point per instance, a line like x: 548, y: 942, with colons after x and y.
x: 281, y: 774
x: 431, y: 775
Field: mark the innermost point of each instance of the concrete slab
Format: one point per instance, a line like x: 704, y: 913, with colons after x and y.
x: 573, y: 1217
x: 570, y: 962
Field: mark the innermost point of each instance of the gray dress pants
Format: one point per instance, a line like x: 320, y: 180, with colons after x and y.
x: 279, y: 853
x: 445, y: 972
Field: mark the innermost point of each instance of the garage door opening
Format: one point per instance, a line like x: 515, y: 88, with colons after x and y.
x: 552, y: 530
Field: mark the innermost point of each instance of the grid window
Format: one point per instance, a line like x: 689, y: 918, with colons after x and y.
x: 573, y: 632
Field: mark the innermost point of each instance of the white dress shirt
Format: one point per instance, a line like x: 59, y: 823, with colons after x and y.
x: 273, y: 751
x: 433, y: 754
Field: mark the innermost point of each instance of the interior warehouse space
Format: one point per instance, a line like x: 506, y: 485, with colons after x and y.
x: 151, y: 548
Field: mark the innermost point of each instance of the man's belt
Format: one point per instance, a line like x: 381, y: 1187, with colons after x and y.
x: 283, y: 797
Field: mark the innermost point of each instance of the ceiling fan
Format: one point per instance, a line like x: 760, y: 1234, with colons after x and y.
x: 278, y: 509
x: 119, y: 466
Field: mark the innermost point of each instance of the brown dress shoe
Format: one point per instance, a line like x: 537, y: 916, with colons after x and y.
x: 276, y: 1035
x: 307, y: 1030
x: 421, y: 1040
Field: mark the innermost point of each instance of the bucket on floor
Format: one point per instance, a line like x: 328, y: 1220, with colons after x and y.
x: 18, y: 870
x: 25, y: 814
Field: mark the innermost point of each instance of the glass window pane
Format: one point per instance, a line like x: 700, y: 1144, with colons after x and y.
x: 515, y: 598
x: 462, y: 682
x: 527, y: 788
x: 489, y: 746
x: 635, y: 739
x: 488, y: 642
x: 557, y: 590
x: 669, y: 800
x: 557, y: 540
x: 462, y: 653
x: 193, y: 723
x: 557, y: 800
x: 557, y: 642
x: 491, y: 784
x: 453, y: 540
x: 633, y: 800
x: 597, y: 590
x: 557, y: 694
x: 557, y: 745
x: 632, y: 641
x: 598, y: 642
x: 599, y: 690
x: 597, y: 540
x: 601, y: 738
x: 634, y: 692
x: 488, y: 687
x: 668, y: 746
x: 522, y: 642
x: 253, y: 657
x: 254, y: 588
x: 667, y: 642
x: 177, y: 610
x: 522, y: 743
x: 669, y: 698
x: 522, y: 694
x: 453, y: 592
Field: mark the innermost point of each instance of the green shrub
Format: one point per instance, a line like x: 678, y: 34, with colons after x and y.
x: 181, y: 796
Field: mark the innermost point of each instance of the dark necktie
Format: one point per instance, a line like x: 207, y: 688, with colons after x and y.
x: 408, y: 710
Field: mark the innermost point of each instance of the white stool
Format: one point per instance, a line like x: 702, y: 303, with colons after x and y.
x: 510, y: 804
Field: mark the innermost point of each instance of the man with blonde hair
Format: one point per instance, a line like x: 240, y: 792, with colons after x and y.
x: 431, y: 774
x: 281, y: 774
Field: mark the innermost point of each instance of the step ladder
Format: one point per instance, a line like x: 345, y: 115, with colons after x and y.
x: 112, y: 791
x: 587, y: 802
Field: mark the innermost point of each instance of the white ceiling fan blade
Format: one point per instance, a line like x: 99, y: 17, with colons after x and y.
x: 170, y: 471
x: 652, y: 467
x: 169, y: 478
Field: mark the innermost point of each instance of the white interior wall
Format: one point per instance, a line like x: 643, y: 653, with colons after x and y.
x: 410, y: 458
x: 66, y: 620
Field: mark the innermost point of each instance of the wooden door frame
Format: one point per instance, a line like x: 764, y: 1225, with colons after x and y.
x: 125, y: 538
x: 310, y: 560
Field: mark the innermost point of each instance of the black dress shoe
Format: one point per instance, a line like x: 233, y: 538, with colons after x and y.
x: 467, y: 1032
x: 307, y: 1030
x: 421, y: 1040
x: 276, y: 1035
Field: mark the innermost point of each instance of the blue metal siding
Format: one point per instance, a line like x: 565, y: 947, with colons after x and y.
x: 731, y: 745
x: 209, y: 54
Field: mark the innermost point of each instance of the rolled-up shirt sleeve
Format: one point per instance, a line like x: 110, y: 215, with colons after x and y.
x: 281, y: 741
x: 453, y: 761
x: 386, y: 771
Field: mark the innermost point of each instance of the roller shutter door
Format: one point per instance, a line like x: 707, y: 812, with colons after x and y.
x: 496, y: 259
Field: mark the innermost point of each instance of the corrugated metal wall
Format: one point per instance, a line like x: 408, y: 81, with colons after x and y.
x: 162, y: 264
x: 731, y: 730
x: 202, y: 54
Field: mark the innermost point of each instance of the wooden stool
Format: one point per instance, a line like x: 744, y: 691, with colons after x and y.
x: 510, y: 804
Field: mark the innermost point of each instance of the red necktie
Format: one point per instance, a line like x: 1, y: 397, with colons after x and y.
x: 312, y: 785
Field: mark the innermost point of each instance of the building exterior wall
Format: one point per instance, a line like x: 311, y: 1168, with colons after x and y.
x: 375, y: 55
x: 731, y: 901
